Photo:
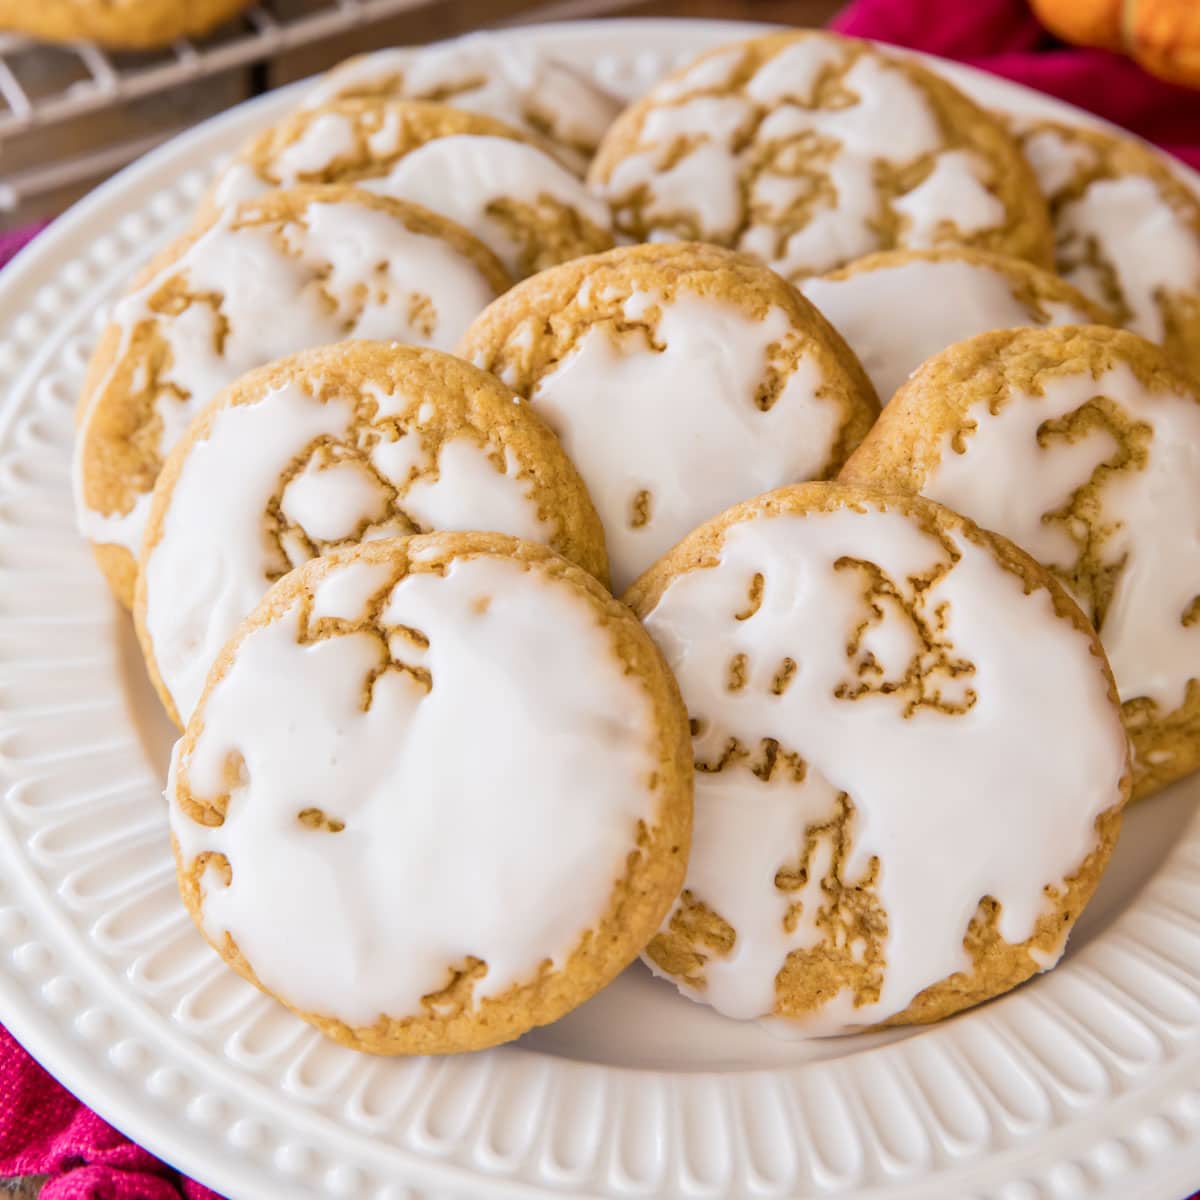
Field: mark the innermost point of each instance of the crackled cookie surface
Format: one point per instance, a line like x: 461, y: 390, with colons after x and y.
x: 322, y: 450
x: 490, y: 178
x: 1127, y: 231
x: 515, y: 83
x: 1083, y: 446
x: 470, y: 807
x: 810, y: 150
x: 899, y: 307
x: 910, y: 760
x: 295, y: 269
x: 680, y: 379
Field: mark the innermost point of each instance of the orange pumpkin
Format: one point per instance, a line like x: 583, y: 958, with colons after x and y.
x: 1163, y: 36
x: 1084, y: 22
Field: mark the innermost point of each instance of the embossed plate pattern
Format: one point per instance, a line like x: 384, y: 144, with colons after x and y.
x: 1086, y: 1082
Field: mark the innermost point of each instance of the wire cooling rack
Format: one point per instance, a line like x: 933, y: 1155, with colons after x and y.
x: 46, y: 89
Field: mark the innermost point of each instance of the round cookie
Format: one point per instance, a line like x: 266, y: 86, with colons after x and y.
x: 264, y: 279
x: 910, y: 760
x: 1082, y: 444
x: 899, y: 307
x: 516, y: 83
x: 528, y: 209
x: 118, y: 24
x: 470, y: 807
x: 810, y: 150
x: 680, y: 379
x: 327, y: 448
x: 1127, y: 230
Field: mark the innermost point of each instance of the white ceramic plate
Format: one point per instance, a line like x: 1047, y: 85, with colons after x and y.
x: 1084, y: 1082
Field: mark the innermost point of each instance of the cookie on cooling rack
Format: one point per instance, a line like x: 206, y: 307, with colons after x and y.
x: 471, y: 805
x: 898, y: 307
x: 490, y: 178
x: 1082, y: 444
x: 1127, y: 230
x: 324, y: 449
x: 910, y: 760
x: 681, y: 379
x: 141, y: 25
x: 294, y: 269
x: 516, y: 83
x: 810, y: 150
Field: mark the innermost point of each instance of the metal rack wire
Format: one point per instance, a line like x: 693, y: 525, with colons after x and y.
x: 106, y: 81
x: 87, y: 80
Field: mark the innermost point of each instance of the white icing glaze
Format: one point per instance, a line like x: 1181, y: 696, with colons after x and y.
x: 775, y: 124
x: 838, y: 230
x: 387, y: 138
x: 1145, y: 243
x: 456, y: 831
x: 997, y: 801
x: 462, y: 177
x: 1060, y: 312
x: 208, y: 570
x: 897, y: 315
x: 681, y: 422
x: 344, y: 271
x: 954, y: 193
x: 704, y: 181
x: 793, y: 73
x: 237, y: 181
x: 213, y: 562
x: 1145, y: 247
x: 326, y: 138
x: 1006, y: 481
x: 892, y: 120
x: 510, y: 86
x: 1057, y: 160
x: 712, y: 71
x: 470, y: 492
x: 330, y: 503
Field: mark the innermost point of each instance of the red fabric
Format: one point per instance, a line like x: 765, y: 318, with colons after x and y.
x: 44, y: 1130
x: 1003, y: 37
x: 13, y: 241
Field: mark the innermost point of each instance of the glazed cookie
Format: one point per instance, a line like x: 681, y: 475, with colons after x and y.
x: 324, y: 449
x: 336, y: 261
x: 1127, y: 231
x: 680, y: 379
x: 898, y: 307
x: 516, y: 83
x: 910, y: 760
x: 119, y: 24
x: 491, y: 179
x: 470, y: 807
x: 810, y: 150
x: 1083, y: 446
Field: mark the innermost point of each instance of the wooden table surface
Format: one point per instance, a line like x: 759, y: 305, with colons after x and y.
x: 455, y: 16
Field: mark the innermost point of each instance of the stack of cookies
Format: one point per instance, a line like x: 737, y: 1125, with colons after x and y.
x: 501, y: 489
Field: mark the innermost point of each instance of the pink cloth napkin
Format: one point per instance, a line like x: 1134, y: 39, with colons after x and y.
x: 44, y: 1130
x: 1003, y: 37
x: 16, y: 239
